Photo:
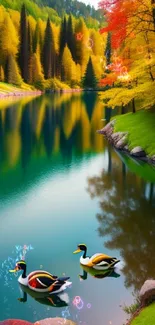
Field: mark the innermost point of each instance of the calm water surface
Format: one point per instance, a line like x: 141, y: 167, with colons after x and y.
x: 60, y: 185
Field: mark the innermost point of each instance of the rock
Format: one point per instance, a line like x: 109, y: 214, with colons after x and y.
x: 147, y: 292
x: 138, y: 152
x: 15, y: 322
x: 54, y: 321
x: 117, y: 136
x: 121, y: 143
x: 108, y: 129
x: 126, y: 147
x: 153, y: 158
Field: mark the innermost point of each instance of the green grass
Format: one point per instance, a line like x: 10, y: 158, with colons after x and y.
x: 141, y: 129
x: 146, y: 317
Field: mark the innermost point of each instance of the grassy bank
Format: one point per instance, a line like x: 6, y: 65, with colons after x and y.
x: 146, y: 316
x: 11, y: 90
x: 141, y: 129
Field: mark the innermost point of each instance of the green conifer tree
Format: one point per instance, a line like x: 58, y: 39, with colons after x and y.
x: 71, y: 38
x: 48, y: 52
x: 30, y: 52
x: 89, y: 80
x: 23, y: 50
x: 63, y: 37
x: 108, y: 49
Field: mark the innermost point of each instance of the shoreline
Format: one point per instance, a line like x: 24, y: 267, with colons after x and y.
x: 20, y: 93
x: 119, y: 141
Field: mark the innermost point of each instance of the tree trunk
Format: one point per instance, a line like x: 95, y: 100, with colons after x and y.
x: 133, y: 106
x: 123, y: 110
x: 153, y: 11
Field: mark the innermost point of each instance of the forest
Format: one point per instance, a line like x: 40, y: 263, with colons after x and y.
x: 47, y: 54
x: 129, y: 77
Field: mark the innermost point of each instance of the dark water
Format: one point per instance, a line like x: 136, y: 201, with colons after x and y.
x: 61, y: 184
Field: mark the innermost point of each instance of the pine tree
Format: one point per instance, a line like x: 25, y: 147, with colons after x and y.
x: 108, y: 49
x: 89, y: 80
x: 67, y: 64
x: 63, y: 37
x: 37, y: 75
x: 81, y: 36
x: 23, y: 50
x: 8, y: 38
x: 38, y: 36
x: 71, y: 37
x: 48, y: 52
x: 29, y: 55
x: 13, y: 75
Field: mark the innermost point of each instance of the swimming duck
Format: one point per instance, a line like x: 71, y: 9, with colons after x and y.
x: 40, y: 281
x: 98, y: 261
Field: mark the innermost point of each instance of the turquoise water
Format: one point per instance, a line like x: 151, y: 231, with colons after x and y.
x: 60, y: 185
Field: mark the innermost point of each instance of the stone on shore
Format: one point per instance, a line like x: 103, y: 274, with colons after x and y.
x: 121, y: 143
x: 147, y: 292
x: 108, y: 129
x: 138, y: 152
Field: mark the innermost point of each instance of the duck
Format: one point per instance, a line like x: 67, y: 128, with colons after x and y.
x: 41, y: 281
x: 98, y: 274
x: 58, y: 300
x: 98, y: 261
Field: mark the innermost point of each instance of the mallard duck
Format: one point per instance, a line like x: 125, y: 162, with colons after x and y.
x: 41, y: 281
x: 53, y: 300
x: 99, y: 274
x: 98, y: 261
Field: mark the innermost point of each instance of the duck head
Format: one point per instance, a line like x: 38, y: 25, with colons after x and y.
x: 81, y: 248
x: 20, y: 266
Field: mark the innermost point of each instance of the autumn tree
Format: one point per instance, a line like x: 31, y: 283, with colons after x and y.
x: 23, y: 49
x: 37, y: 75
x: 30, y: 51
x: 82, y: 50
x: 12, y: 73
x: 71, y: 37
x: 8, y: 38
x: 68, y: 65
x: 63, y: 36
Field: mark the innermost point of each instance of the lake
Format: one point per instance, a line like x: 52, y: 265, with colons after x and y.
x: 62, y: 184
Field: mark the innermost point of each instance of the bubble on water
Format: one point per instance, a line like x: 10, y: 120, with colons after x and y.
x: 88, y: 306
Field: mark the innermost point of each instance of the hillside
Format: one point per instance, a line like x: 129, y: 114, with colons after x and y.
x: 54, y: 9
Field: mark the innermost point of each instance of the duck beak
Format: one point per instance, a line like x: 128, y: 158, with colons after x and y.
x: 16, y: 269
x: 77, y: 251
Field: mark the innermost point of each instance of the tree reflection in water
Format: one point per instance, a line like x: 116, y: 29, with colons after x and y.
x: 128, y: 217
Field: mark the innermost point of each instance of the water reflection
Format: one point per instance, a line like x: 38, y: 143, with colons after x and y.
x: 57, y: 127
x: 53, y: 300
x: 127, y: 216
x: 99, y: 274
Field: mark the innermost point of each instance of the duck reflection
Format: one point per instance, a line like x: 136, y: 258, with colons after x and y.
x: 99, y: 274
x: 53, y: 300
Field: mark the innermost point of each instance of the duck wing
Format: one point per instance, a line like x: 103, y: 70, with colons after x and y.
x: 41, y: 280
x: 101, y: 259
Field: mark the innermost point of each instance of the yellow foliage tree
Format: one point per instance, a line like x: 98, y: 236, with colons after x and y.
x: 69, y: 67
x: 8, y: 38
x: 37, y: 75
x: 82, y: 39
